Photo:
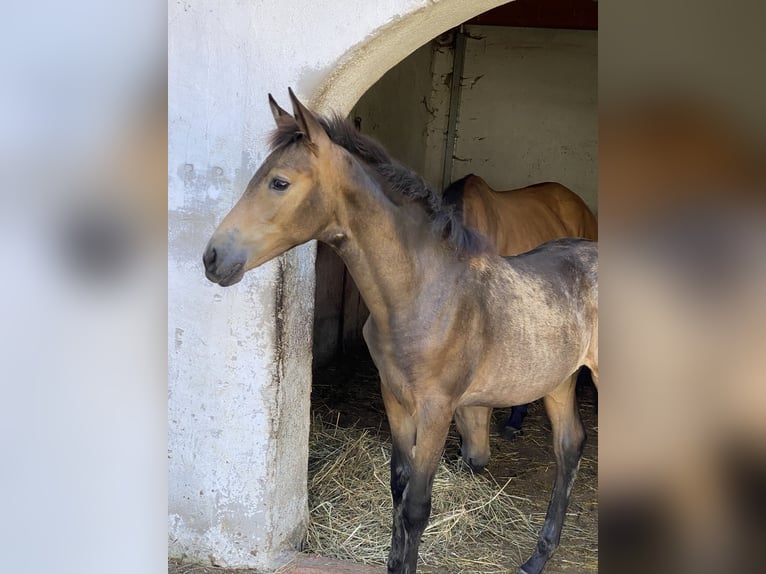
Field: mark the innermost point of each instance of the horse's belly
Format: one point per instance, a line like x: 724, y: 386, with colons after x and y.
x: 524, y: 375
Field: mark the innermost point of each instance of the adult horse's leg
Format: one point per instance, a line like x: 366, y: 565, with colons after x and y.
x: 512, y: 427
x: 568, y: 442
x: 412, y: 474
x: 473, y: 425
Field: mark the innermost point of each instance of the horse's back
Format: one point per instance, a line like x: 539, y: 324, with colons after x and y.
x: 519, y: 220
x: 561, y: 278
x: 575, y: 216
x: 567, y: 261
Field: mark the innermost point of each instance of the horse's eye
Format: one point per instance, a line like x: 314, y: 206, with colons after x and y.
x: 279, y: 184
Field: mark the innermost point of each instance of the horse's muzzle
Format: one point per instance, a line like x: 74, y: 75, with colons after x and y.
x: 224, y: 266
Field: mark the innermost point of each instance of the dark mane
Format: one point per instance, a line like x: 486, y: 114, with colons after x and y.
x: 453, y: 194
x: 446, y: 217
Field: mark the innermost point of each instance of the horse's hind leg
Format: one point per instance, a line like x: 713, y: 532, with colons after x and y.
x: 473, y: 425
x: 568, y: 441
x: 591, y: 357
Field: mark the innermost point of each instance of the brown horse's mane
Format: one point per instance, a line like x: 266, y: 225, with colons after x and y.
x: 446, y: 219
x: 453, y: 194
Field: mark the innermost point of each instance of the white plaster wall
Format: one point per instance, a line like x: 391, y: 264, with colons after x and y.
x: 240, y: 357
x: 528, y: 108
x: 399, y: 99
x: 407, y: 110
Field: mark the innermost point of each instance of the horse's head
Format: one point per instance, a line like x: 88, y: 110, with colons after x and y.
x: 287, y: 202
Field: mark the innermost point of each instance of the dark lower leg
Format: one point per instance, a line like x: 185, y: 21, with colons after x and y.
x: 400, y: 476
x: 403, y: 439
x: 415, y: 513
x: 512, y: 427
x: 415, y: 505
x: 550, y: 534
x: 568, y: 441
x: 517, y: 416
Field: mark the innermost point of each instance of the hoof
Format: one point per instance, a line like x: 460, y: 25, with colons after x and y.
x: 473, y: 468
x: 511, y: 433
x: 535, y: 565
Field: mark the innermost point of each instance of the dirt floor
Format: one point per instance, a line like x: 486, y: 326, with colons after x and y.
x: 350, y: 387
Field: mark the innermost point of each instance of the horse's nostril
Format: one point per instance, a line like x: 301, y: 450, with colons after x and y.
x: 209, y: 258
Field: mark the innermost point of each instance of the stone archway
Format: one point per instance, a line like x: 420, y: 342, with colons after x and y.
x: 364, y: 64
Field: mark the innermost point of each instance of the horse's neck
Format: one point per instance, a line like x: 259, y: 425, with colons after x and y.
x: 389, y: 250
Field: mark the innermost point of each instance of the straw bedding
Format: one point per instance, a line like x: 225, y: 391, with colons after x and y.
x: 484, y: 523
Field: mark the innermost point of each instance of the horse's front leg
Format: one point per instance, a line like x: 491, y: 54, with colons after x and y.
x: 403, y: 430
x: 418, y: 442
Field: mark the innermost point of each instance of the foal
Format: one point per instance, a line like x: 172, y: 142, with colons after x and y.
x: 451, y: 325
x: 515, y: 221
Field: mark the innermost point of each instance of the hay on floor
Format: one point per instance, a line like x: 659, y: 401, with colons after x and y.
x: 476, y: 523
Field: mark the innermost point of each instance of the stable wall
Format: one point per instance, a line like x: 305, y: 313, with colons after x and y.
x: 400, y: 98
x: 239, y: 358
x: 528, y: 108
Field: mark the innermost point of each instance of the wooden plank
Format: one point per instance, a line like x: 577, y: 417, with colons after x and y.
x: 355, y: 313
x: 567, y: 14
x: 328, y: 304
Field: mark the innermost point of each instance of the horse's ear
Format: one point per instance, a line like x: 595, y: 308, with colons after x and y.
x: 307, y: 121
x: 280, y: 116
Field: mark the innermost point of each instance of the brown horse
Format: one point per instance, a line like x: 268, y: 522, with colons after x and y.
x: 515, y: 221
x: 518, y: 220
x: 451, y: 324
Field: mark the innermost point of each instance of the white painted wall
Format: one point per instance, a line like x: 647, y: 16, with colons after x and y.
x: 407, y: 110
x: 399, y: 99
x: 528, y: 108
x: 238, y: 382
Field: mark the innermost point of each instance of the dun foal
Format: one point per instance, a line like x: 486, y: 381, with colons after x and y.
x: 451, y: 324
